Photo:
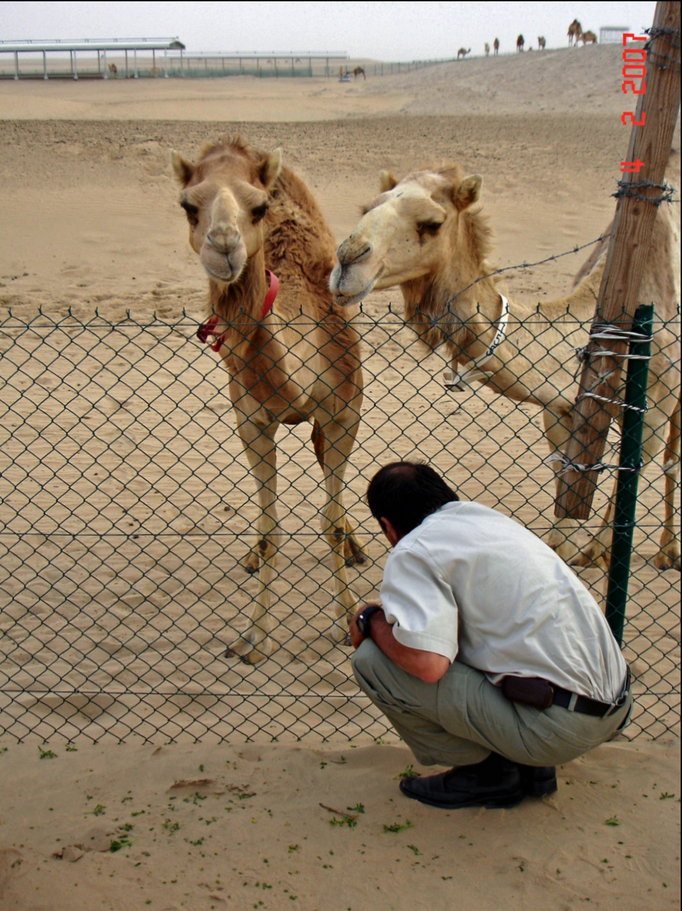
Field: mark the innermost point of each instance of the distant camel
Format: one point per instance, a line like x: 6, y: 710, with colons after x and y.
x: 541, y: 43
x: 496, y: 46
x: 588, y: 36
x: 519, y: 44
x: 289, y: 360
x: 487, y: 49
x: 462, y: 52
x: 358, y: 71
x: 113, y: 69
x: 575, y: 30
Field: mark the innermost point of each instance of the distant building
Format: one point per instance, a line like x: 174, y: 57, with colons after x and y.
x: 612, y: 34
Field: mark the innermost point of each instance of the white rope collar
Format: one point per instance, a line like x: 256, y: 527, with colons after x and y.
x: 476, y: 371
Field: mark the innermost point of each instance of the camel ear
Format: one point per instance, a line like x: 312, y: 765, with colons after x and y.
x: 386, y: 181
x: 468, y: 192
x: 183, y: 170
x: 270, y: 168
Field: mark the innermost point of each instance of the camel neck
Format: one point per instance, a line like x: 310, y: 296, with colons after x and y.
x: 245, y: 296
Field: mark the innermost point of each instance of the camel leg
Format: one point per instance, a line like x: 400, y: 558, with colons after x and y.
x: 598, y: 550
x: 339, y: 436
x: 352, y: 549
x: 255, y: 643
x: 668, y: 556
x: 562, y: 537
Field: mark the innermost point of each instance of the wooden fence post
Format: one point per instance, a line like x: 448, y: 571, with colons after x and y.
x: 648, y: 150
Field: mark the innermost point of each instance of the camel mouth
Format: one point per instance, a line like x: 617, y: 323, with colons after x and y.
x: 216, y: 276
x: 344, y: 298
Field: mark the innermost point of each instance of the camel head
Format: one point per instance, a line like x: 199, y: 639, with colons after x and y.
x: 409, y: 231
x: 225, y: 196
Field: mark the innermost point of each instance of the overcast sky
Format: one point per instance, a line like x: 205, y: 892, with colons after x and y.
x: 381, y: 31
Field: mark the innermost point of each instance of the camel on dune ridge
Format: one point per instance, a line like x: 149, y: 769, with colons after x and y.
x: 575, y: 30
x: 462, y: 52
x: 291, y: 357
x: 427, y: 235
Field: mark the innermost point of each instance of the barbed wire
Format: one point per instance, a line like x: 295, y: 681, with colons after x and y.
x: 627, y: 189
x: 655, y: 56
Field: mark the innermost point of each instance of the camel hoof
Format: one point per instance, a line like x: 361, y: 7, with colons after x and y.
x: 596, y: 561
x: 665, y: 561
x: 358, y: 559
x: 245, y: 651
x: 251, y: 659
x: 251, y: 564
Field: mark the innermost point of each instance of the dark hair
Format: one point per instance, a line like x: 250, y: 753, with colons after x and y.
x: 406, y: 493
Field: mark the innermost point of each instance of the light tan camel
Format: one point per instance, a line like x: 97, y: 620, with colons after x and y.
x: 426, y: 235
x: 519, y: 44
x: 487, y: 49
x: 575, y: 30
x: 292, y: 361
x: 541, y: 43
x: 462, y: 52
x: 496, y: 47
x: 359, y: 71
x: 588, y: 38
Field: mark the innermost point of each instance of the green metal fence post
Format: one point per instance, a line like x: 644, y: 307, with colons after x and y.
x: 628, y: 474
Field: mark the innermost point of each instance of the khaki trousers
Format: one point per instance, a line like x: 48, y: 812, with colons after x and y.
x: 463, y: 718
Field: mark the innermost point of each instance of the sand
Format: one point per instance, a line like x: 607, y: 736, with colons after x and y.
x: 89, y: 223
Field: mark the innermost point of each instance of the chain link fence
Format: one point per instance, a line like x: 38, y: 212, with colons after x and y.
x: 128, y: 510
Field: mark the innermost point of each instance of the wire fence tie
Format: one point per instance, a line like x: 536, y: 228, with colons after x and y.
x: 581, y: 467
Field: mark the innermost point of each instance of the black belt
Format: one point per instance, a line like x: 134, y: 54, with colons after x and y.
x: 541, y: 694
x: 586, y: 706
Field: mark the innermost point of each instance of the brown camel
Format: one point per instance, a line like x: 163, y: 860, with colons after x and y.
x: 426, y: 235
x: 358, y: 71
x: 487, y: 49
x: 541, y: 43
x: 462, y: 52
x: 588, y: 38
x: 496, y: 47
x: 575, y: 30
x: 519, y: 44
x: 113, y: 69
x: 290, y: 361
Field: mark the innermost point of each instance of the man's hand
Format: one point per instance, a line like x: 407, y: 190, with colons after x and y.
x: 427, y: 666
x: 355, y: 636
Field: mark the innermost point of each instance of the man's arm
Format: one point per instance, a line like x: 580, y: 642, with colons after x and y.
x: 427, y: 666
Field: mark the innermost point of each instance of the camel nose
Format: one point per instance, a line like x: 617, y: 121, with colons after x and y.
x: 353, y: 251
x: 223, y: 239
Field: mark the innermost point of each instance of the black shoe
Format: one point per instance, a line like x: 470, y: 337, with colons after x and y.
x: 538, y: 781
x: 493, y: 783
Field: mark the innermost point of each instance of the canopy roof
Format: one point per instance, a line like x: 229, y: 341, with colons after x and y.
x: 94, y: 44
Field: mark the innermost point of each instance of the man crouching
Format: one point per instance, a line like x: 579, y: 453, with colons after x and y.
x: 487, y: 653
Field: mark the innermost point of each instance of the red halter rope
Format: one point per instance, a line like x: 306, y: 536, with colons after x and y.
x: 209, y: 326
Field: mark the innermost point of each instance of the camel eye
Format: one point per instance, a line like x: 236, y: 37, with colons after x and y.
x: 429, y: 227
x: 192, y: 213
x: 259, y: 212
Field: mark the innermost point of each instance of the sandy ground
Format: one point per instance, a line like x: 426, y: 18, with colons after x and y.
x: 269, y: 826
x: 89, y: 222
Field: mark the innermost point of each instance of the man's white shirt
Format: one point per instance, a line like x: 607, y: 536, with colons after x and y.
x: 472, y: 584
